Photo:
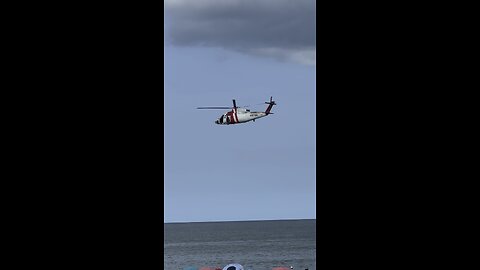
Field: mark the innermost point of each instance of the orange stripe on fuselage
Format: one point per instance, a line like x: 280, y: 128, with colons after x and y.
x: 236, y: 115
x: 233, y: 116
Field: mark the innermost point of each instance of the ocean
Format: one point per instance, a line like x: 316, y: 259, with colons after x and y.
x: 256, y: 245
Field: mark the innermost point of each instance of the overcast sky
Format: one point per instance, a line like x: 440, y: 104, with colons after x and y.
x: 249, y: 50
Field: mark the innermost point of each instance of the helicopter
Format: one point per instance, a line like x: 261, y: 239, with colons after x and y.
x: 240, y: 115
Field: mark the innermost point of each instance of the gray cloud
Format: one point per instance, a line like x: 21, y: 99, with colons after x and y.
x: 284, y: 29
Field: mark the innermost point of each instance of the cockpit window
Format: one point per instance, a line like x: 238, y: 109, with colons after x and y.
x: 221, y: 119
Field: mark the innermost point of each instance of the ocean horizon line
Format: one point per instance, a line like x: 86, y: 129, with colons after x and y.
x: 247, y: 220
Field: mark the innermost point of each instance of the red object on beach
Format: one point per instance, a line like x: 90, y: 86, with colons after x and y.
x: 280, y: 268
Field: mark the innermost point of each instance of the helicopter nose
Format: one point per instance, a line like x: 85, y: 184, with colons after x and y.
x: 216, y: 122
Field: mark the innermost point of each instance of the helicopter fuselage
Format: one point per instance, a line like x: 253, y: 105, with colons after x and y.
x: 237, y: 116
x: 240, y: 115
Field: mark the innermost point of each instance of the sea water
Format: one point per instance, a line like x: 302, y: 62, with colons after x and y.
x: 256, y: 245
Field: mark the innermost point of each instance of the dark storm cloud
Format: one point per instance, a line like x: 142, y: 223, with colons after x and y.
x: 278, y: 28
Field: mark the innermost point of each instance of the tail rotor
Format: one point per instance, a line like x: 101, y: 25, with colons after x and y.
x: 271, y: 102
x: 270, y: 105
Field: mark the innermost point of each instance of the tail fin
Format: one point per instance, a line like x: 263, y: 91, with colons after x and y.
x: 270, y: 105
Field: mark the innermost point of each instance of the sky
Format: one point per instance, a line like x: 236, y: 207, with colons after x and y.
x: 249, y: 50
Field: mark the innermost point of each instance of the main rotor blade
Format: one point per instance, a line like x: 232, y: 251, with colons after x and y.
x: 214, y: 108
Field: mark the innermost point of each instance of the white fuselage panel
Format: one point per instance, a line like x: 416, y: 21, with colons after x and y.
x: 249, y: 116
